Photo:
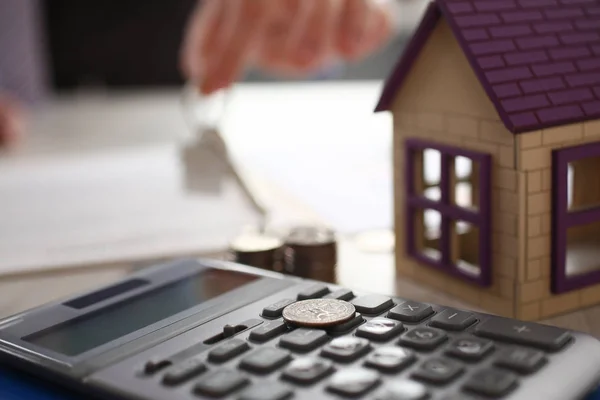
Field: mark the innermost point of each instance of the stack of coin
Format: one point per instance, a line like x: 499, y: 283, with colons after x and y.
x: 311, y: 252
x: 257, y: 250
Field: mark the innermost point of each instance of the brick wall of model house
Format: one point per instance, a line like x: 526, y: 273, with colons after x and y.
x: 442, y: 101
x: 534, y: 163
x: 479, y: 134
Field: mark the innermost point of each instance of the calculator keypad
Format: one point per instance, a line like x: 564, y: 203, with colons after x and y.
x: 353, y: 381
x: 423, y: 338
x: 491, y: 382
x: 346, y: 348
x: 438, y: 370
x: 372, y: 304
x: 411, y: 311
x: 390, y: 359
x: 380, y: 329
x: 265, y: 360
x: 389, y: 350
x: 220, y: 383
x: 307, y: 370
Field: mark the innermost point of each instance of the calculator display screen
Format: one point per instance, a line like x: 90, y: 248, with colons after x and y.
x: 108, y: 324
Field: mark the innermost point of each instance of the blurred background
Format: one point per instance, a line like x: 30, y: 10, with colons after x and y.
x: 112, y: 173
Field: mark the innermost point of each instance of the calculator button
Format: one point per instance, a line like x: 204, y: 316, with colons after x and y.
x: 453, y: 320
x: 346, y: 348
x: 403, y: 390
x: 220, y: 383
x: 491, y: 382
x: 411, y: 311
x: 275, y: 310
x: 438, y: 371
x: 183, y: 372
x: 518, y: 332
x: 307, y: 370
x: 372, y: 304
x: 268, y: 331
x: 457, y: 396
x: 390, y: 359
x: 348, y: 325
x: 313, y: 292
x: 520, y: 359
x: 265, y: 360
x: 423, y: 338
x: 380, y: 329
x: 228, y: 350
x: 341, y: 294
x: 304, y: 340
x: 470, y: 348
x: 267, y: 391
x: 352, y: 382
x: 155, y: 365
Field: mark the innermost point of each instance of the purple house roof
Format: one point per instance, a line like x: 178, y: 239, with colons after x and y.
x: 538, y: 60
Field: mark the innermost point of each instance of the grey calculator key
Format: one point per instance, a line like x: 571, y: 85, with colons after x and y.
x: 521, y: 359
x: 390, y: 358
x: 380, y: 329
x: 220, y: 383
x: 265, y: 360
x: 457, y: 396
x: 304, y: 340
x: 372, y: 304
x: 228, y: 350
x: 348, y: 325
x: 341, y: 294
x: 346, y: 348
x: 423, y: 338
x: 268, y: 331
x: 469, y: 348
x: 453, y: 320
x: 438, y: 371
x: 307, y: 370
x: 530, y: 334
x: 154, y: 365
x: 313, y: 292
x: 183, y: 372
x: 276, y: 309
x: 411, y: 311
x: 267, y: 391
x: 355, y: 381
x: 403, y: 390
x: 491, y: 382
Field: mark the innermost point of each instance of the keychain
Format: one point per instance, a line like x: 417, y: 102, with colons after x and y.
x: 205, y: 154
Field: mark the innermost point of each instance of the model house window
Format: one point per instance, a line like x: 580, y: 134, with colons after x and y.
x: 576, y: 217
x: 448, y: 209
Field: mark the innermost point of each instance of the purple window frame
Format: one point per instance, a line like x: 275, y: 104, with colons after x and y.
x: 562, y: 219
x: 448, y: 211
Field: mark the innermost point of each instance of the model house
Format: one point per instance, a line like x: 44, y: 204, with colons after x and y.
x: 496, y: 110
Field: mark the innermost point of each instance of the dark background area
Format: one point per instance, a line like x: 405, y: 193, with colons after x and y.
x: 135, y: 43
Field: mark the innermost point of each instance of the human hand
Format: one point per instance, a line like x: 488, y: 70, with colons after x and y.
x: 292, y: 37
x: 11, y: 122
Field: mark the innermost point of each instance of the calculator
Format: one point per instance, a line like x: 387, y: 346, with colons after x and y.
x: 207, y: 329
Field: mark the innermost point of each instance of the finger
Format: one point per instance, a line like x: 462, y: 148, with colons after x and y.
x: 378, y: 31
x: 352, y: 26
x: 11, y: 123
x: 282, y: 32
x: 315, y: 42
x: 247, y: 18
x: 201, y: 37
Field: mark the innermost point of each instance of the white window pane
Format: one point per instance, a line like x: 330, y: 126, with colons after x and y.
x: 433, y: 193
x: 463, y: 167
x: 432, y: 166
x: 570, y: 177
